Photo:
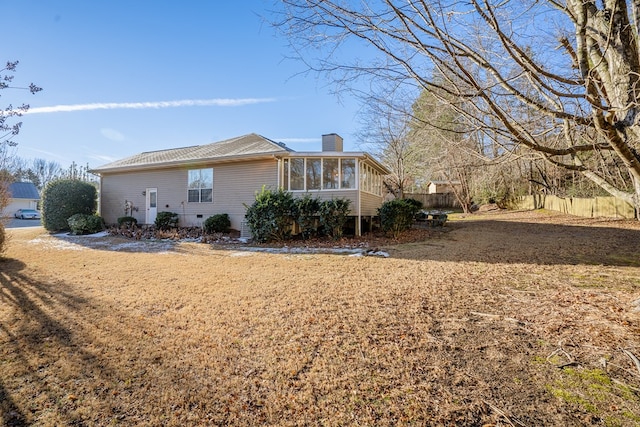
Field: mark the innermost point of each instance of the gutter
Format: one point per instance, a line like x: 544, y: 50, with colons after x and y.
x: 185, y: 163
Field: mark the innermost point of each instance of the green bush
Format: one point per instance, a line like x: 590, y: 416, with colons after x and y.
x: 397, y: 216
x: 417, y: 204
x: 85, y: 224
x: 127, y: 222
x: 333, y: 216
x: 61, y: 199
x: 166, y: 220
x: 305, y: 211
x: 219, y: 223
x: 270, y: 216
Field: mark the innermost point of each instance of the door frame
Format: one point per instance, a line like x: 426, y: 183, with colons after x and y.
x: 152, y: 211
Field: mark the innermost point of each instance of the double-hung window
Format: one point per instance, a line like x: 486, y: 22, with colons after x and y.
x: 200, y: 185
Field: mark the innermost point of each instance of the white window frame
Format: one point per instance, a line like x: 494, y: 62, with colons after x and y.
x: 287, y: 174
x: 201, y: 187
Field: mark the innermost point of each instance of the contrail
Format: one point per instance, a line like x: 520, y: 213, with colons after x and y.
x: 219, y: 102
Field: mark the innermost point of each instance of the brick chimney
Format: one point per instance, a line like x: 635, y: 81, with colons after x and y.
x: 331, y: 142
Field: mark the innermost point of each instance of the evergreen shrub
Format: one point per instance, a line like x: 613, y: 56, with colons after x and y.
x: 166, y: 220
x: 397, y: 216
x: 61, y: 199
x: 127, y: 222
x: 85, y: 224
x: 306, y: 210
x: 270, y: 216
x: 333, y: 216
x: 219, y: 223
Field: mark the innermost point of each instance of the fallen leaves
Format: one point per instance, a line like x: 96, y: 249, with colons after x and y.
x: 446, y: 330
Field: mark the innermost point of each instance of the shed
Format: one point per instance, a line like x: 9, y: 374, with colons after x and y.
x: 438, y: 187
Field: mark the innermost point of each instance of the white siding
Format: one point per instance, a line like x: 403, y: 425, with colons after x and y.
x: 234, y: 184
x: 370, y: 204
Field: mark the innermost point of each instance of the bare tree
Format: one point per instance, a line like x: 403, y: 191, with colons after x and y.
x: 80, y: 173
x: 559, y: 77
x: 386, y: 132
x: 9, y: 128
x: 449, y: 152
x: 43, y: 171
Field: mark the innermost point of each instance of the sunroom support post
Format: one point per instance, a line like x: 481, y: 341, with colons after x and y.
x: 358, y: 201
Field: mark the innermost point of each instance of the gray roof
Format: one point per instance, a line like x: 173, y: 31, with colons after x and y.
x: 24, y: 190
x: 246, y: 146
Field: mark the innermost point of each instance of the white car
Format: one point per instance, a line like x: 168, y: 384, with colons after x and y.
x: 27, y: 214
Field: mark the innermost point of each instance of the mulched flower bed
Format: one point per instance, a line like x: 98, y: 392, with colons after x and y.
x: 368, y: 240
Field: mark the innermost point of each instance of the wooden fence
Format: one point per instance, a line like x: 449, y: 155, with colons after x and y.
x: 436, y: 200
x: 608, y: 207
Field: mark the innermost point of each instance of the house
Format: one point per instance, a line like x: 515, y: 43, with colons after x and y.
x: 224, y: 177
x: 22, y: 195
x: 434, y: 187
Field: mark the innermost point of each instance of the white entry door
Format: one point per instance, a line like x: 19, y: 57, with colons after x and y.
x: 152, y: 205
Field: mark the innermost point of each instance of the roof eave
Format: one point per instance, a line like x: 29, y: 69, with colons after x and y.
x: 193, y: 162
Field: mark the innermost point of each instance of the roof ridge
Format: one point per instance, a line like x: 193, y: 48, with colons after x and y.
x: 168, y: 149
x: 244, y: 145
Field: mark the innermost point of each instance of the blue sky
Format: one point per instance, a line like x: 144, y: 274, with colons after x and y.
x: 149, y: 75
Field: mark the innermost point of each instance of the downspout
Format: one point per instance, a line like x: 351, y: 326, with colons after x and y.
x: 359, y: 201
x: 100, y: 198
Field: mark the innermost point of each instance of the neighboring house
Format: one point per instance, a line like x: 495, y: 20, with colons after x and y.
x: 224, y: 177
x: 22, y: 195
x: 434, y: 187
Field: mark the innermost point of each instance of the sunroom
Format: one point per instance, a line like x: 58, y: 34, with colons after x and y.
x: 332, y: 174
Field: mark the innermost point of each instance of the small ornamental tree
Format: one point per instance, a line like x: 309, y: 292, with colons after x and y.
x: 270, y: 216
x: 64, y: 198
x: 9, y: 128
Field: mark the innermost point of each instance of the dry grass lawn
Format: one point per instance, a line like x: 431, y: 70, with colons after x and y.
x: 506, y: 319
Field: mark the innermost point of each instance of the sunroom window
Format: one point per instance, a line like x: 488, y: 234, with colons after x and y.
x: 297, y: 174
x: 330, y: 173
x: 308, y: 174
x: 348, y: 173
x: 314, y: 174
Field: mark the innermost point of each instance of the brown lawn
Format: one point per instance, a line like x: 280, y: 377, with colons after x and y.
x: 505, y: 319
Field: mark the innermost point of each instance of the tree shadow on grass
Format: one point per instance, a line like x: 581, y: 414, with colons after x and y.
x: 44, y: 352
x: 520, y: 242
